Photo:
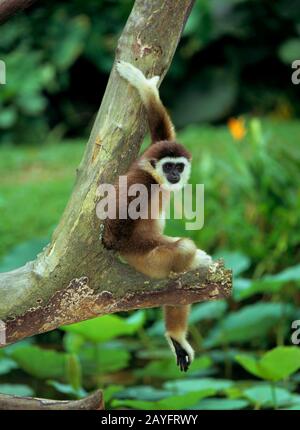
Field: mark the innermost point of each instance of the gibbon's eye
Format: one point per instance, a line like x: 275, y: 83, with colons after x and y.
x: 167, y: 167
x: 180, y: 167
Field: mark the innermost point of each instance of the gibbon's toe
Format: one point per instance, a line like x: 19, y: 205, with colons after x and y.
x: 183, y: 359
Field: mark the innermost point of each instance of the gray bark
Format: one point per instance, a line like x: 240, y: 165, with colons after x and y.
x: 15, y: 403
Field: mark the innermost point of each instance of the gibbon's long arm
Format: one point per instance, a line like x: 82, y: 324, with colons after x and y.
x: 141, y: 242
x: 160, y: 124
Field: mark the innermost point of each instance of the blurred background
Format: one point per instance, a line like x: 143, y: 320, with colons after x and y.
x: 237, y: 110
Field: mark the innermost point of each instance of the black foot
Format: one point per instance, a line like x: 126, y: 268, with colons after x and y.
x: 183, y: 360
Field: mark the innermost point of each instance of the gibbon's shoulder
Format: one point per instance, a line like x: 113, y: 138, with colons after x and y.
x: 137, y: 175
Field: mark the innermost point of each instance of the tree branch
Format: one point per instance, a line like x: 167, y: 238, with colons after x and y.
x: 75, y: 278
x: 10, y: 7
x: 92, y: 402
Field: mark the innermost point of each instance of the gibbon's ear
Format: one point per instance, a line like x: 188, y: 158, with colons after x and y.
x: 153, y: 163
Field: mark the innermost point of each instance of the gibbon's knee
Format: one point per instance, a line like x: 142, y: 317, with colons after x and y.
x: 176, y: 322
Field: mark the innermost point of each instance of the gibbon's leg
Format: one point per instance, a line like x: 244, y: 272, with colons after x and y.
x: 169, y: 256
x: 176, y: 321
x: 173, y: 255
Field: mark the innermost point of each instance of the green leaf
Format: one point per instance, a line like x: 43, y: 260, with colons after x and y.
x: 39, y: 362
x: 281, y: 362
x: 289, y: 51
x: 274, y: 365
x: 270, y: 283
x: 16, y: 390
x: 144, y: 392
x: 111, y: 391
x: 170, y: 403
x: 167, y: 369
x: 71, y: 34
x: 101, y: 360
x: 288, y: 275
x: 6, y: 365
x: 108, y: 327
x: 242, y: 326
x: 251, y: 365
x: 8, y: 117
x: 78, y: 393
x: 188, y: 385
x: 262, y: 395
x: 207, y: 311
x: 32, y: 105
x: 216, y: 404
x: 22, y: 253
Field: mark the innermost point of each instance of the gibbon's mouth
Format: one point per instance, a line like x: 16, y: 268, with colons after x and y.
x: 173, y: 179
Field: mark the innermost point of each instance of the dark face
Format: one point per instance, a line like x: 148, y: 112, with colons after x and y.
x: 173, y: 171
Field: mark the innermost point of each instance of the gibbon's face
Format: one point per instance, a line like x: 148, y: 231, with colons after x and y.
x: 169, y: 163
x: 174, y: 172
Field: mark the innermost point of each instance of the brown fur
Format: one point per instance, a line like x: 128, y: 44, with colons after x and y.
x: 141, y: 242
x: 160, y: 124
x: 176, y: 318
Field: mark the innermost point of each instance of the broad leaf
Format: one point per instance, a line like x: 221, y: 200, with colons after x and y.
x: 274, y: 365
x: 170, y: 403
x: 108, y: 327
x: 188, y: 385
x: 220, y: 404
x: 41, y: 363
x: 16, y: 390
x: 251, y: 322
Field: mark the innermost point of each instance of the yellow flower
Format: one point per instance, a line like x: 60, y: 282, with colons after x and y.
x: 237, y: 128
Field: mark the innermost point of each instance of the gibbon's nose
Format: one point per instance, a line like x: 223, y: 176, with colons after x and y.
x: 173, y: 179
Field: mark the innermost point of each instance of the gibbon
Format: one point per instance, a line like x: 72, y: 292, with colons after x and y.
x: 140, y: 242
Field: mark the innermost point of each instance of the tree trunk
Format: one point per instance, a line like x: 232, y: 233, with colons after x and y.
x: 74, y: 278
x: 10, y: 7
x: 16, y: 403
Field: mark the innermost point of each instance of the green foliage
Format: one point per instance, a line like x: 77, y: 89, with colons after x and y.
x: 102, y: 360
x: 277, y: 364
x: 16, y: 390
x: 175, y: 402
x: 29, y: 176
x: 220, y: 404
x: 6, y: 365
x: 252, y: 222
x: 241, y: 326
x: 107, y: 327
x: 40, y: 363
x: 167, y: 369
x: 52, y: 49
x: 262, y: 396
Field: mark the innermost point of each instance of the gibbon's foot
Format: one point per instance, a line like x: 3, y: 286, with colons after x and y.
x: 201, y: 259
x: 183, y: 359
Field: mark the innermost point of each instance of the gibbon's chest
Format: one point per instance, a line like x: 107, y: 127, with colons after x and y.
x: 163, y: 200
x: 161, y: 222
